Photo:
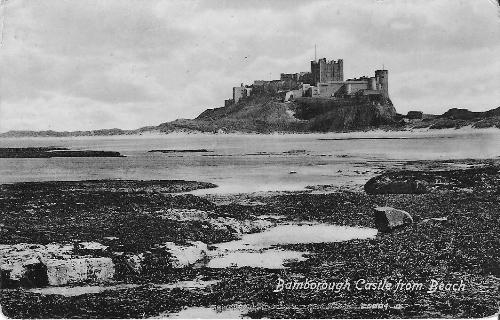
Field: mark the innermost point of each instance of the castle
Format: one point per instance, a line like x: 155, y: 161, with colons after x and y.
x: 325, y: 80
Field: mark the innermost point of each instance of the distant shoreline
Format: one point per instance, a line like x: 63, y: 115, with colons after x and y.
x: 387, y: 133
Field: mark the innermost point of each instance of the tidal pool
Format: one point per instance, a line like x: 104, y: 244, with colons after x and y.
x: 259, y: 249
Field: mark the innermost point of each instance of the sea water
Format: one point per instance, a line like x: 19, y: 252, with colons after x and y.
x: 248, y: 163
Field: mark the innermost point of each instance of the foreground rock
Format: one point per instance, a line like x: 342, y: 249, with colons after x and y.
x: 94, y: 270
x: 387, y: 218
x: 37, y: 265
x: 32, y: 265
x: 485, y: 179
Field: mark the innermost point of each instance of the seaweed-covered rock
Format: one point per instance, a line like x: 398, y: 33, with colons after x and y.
x: 486, y: 179
x: 388, y: 218
x: 391, y: 184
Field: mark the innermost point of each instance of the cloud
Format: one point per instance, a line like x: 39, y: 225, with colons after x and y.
x: 69, y: 65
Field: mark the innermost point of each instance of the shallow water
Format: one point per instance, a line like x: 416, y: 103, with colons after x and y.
x: 258, y: 249
x: 248, y: 163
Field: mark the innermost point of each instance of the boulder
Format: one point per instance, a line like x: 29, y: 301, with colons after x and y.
x: 388, y: 218
x: 415, y: 115
x: 62, y: 272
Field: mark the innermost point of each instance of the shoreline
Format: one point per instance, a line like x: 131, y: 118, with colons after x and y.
x: 464, y: 129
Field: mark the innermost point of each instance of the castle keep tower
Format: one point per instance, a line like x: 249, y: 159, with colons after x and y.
x: 325, y: 71
x: 382, y: 78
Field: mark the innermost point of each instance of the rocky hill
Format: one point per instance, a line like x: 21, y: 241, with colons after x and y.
x: 265, y: 114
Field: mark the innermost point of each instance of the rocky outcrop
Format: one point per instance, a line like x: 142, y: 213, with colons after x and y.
x: 486, y: 179
x: 396, y: 183
x: 265, y: 114
x: 344, y: 115
x: 388, y: 218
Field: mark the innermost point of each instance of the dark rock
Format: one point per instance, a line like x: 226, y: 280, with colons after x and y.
x: 387, y: 218
x: 417, y: 182
x: 6, y: 281
x: 462, y: 114
x: 35, y: 275
x: 392, y: 184
x: 415, y: 115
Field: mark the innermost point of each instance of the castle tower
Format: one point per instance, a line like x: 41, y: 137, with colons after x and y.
x: 238, y: 93
x: 382, y: 77
x: 339, y: 71
x: 326, y: 71
x: 372, y: 84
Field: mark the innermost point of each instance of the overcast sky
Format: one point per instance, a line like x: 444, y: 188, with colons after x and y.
x: 78, y: 65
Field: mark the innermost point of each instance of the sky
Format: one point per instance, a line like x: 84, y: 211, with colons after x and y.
x: 93, y: 64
